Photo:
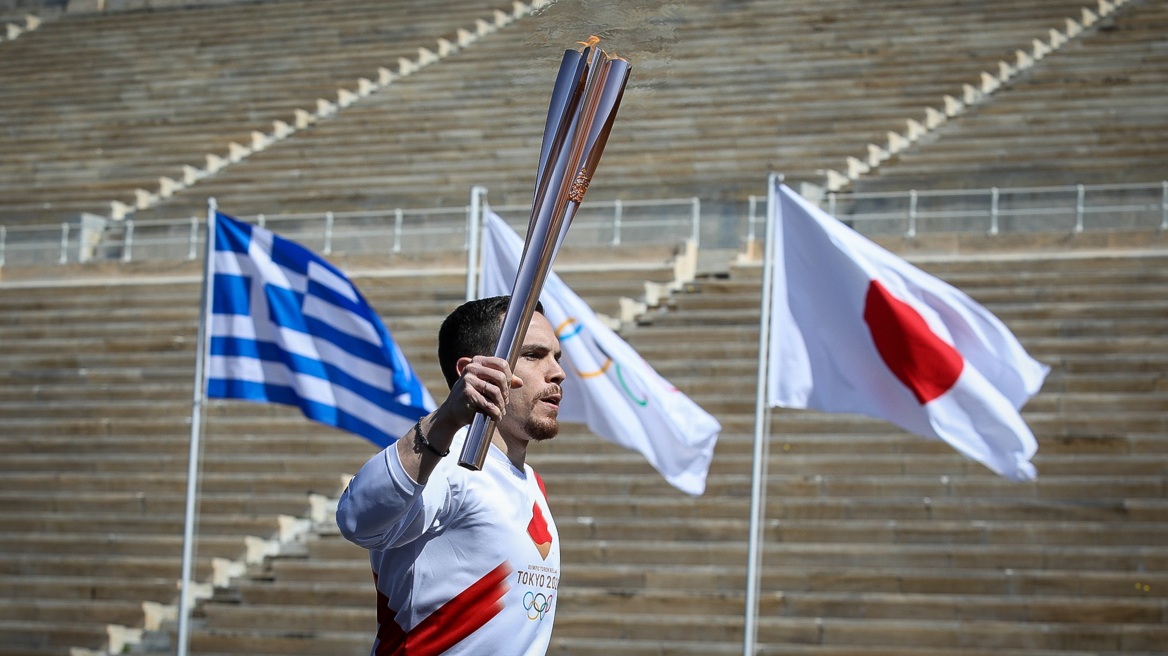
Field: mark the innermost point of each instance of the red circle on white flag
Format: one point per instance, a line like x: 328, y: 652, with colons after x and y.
x: 925, y: 363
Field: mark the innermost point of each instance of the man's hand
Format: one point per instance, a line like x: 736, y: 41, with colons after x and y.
x: 484, y: 386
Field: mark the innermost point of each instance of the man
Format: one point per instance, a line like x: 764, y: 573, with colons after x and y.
x: 466, y: 562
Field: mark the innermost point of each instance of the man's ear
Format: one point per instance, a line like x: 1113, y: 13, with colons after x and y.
x: 460, y: 366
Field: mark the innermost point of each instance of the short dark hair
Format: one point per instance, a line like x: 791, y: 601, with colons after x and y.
x: 471, y: 329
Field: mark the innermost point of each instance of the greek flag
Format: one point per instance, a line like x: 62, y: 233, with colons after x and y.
x: 288, y: 327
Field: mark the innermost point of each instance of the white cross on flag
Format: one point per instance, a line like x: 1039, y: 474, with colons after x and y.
x: 288, y: 327
x: 856, y: 329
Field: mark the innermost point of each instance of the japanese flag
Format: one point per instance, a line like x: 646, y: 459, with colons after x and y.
x: 609, y: 386
x: 856, y: 329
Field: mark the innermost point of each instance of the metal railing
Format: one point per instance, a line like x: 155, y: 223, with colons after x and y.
x: 39, y: 244
x: 617, y: 222
x: 608, y: 223
x: 993, y: 211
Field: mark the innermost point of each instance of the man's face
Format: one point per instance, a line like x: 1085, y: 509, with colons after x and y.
x: 533, y: 410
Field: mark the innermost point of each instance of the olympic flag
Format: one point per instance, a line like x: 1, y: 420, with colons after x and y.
x: 855, y: 328
x: 609, y: 386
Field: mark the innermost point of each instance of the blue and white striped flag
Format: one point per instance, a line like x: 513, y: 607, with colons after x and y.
x: 288, y: 327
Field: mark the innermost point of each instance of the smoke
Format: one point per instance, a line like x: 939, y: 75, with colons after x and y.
x: 642, y: 31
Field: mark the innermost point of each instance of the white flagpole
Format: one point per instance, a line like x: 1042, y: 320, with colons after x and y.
x: 198, y: 397
x: 474, y: 227
x: 761, y: 432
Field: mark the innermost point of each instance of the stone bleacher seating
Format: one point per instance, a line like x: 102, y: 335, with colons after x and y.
x: 877, y: 542
x: 1092, y: 113
x: 808, y: 85
x: 797, y: 107
x: 101, y: 104
x: 95, y: 387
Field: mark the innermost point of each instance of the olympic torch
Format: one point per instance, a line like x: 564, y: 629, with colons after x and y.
x: 587, y: 93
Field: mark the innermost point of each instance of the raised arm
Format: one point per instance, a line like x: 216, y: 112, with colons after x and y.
x: 384, y: 504
x: 483, y: 386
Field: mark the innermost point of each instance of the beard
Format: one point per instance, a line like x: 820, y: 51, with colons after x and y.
x: 541, y: 429
x: 539, y: 426
x: 531, y: 419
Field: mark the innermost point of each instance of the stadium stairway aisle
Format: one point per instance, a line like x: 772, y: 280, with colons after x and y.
x: 877, y: 542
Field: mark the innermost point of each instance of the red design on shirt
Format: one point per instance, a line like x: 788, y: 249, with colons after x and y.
x: 447, y: 626
x: 537, y: 528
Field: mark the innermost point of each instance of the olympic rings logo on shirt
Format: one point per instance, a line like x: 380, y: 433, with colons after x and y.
x: 537, y: 604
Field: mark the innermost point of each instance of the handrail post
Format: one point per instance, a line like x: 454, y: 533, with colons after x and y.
x: 193, y: 240
x: 912, y: 214
x: 1080, y: 207
x: 261, y: 220
x: 994, y: 211
x: 617, y: 210
x: 751, y: 218
x: 831, y: 200
x: 3, y: 243
x: 397, y: 229
x: 64, y: 258
x: 1163, y: 205
x: 328, y: 233
x: 696, y: 218
x: 128, y: 242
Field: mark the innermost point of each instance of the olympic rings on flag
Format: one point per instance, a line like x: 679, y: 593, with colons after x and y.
x: 644, y: 400
x: 571, y: 327
x: 570, y: 322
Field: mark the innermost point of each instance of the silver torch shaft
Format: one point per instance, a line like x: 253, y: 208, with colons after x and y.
x: 585, y: 99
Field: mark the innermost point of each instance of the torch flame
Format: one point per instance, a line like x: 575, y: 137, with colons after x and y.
x: 591, y: 41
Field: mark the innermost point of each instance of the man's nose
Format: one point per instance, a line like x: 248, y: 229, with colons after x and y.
x: 557, y: 373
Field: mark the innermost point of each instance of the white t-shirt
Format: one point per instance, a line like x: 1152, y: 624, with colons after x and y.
x: 468, y: 563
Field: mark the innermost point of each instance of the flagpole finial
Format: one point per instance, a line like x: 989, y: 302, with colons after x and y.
x: 212, y: 204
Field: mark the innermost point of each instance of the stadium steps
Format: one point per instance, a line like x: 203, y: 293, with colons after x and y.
x: 95, y: 392
x: 861, y: 483
x: 876, y: 542
x: 1107, y: 79
x: 156, y: 582
x: 189, y: 97
x: 476, y: 120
